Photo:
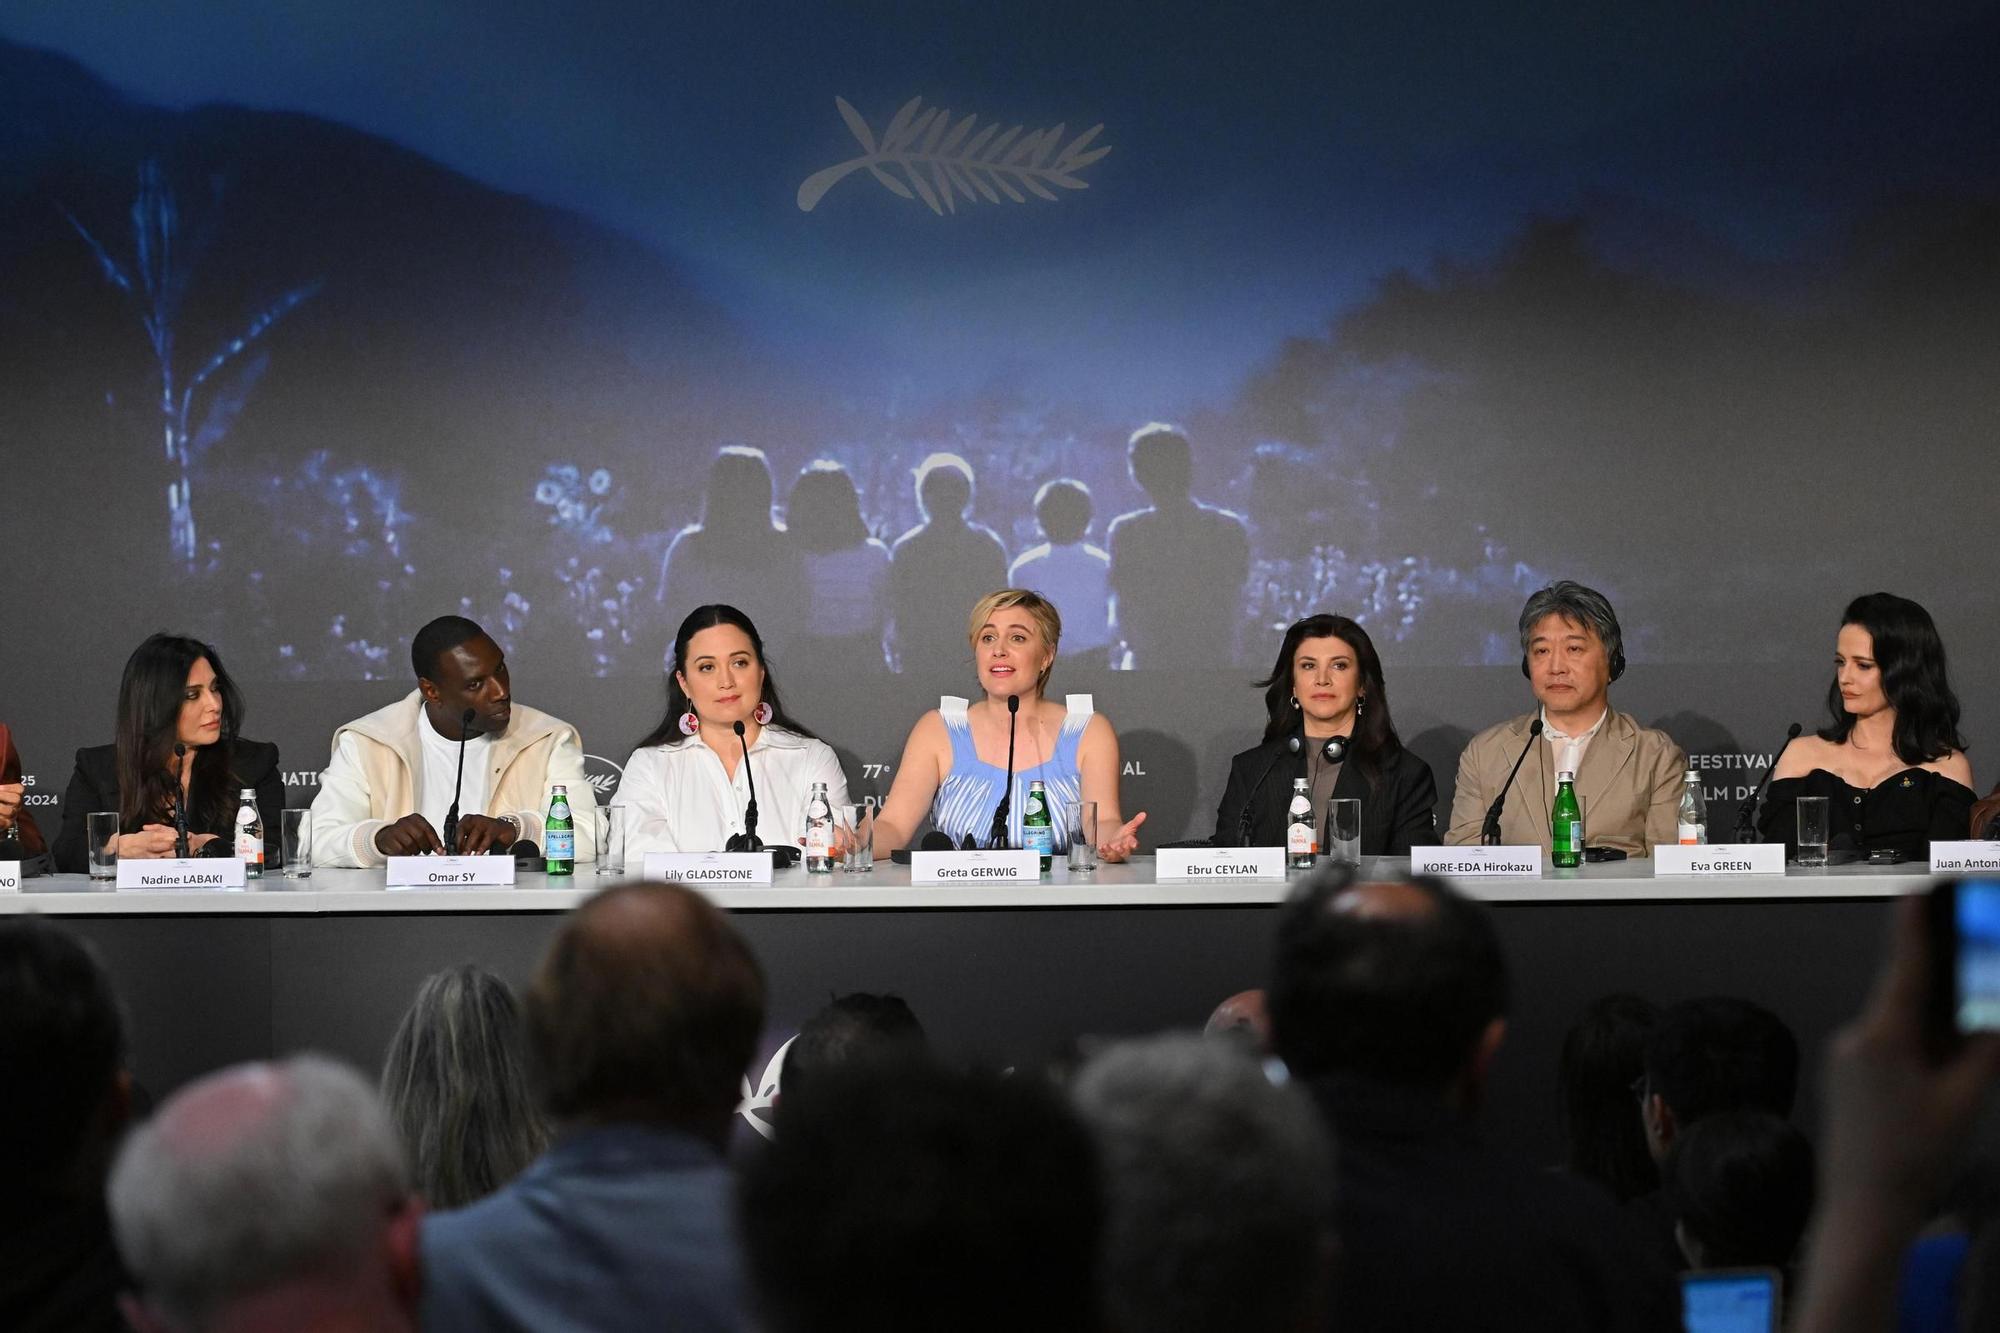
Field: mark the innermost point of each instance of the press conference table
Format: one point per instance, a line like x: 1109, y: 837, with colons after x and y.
x: 1007, y: 974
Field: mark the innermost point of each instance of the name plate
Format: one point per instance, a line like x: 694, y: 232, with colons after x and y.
x: 1465, y: 862
x: 451, y: 872
x: 1215, y: 863
x: 975, y: 867
x: 181, y: 875
x: 722, y: 868
x: 10, y: 876
x: 1959, y: 858
x: 1722, y: 858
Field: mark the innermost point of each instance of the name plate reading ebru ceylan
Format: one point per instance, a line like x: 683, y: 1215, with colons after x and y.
x: 173, y: 875
x: 10, y: 876
x: 1205, y: 864
x: 451, y: 872
x: 1722, y: 858
x: 710, y: 867
x: 995, y: 867
x: 1965, y: 858
x: 1477, y: 861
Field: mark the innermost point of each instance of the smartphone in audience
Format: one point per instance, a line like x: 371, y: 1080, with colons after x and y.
x: 1730, y: 1300
x: 1965, y: 944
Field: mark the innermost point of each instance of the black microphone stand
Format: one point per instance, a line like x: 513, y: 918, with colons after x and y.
x: 996, y: 837
x: 1489, y: 832
x: 1746, y: 818
x: 457, y: 785
x: 1294, y: 744
x: 180, y: 804
x: 747, y: 840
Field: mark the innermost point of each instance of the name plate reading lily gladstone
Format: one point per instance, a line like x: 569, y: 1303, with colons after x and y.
x: 1965, y: 858
x: 975, y: 867
x: 10, y: 876
x: 451, y: 872
x: 1519, y: 862
x: 1722, y: 858
x: 181, y: 876
x: 719, y: 869
x: 1205, y: 865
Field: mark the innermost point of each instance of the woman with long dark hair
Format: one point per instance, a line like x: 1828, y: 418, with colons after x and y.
x: 1891, y: 761
x: 175, y: 691
x: 1327, y: 682
x: 685, y: 786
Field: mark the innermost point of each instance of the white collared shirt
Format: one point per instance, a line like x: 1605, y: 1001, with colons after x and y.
x: 681, y: 800
x: 1569, y: 749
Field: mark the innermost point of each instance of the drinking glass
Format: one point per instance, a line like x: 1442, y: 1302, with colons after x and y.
x: 101, y: 832
x: 857, y: 823
x: 1343, y: 830
x: 296, y: 828
x: 1812, y: 830
x: 1081, y: 817
x: 611, y: 847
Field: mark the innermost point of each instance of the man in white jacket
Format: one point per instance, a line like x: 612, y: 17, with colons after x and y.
x: 388, y: 788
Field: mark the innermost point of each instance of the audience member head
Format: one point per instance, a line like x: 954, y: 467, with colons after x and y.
x: 1244, y: 1016
x: 824, y: 513
x: 718, y: 672
x: 456, y: 1087
x: 64, y: 1091
x: 851, y: 1029
x: 1401, y: 981
x: 1742, y: 1182
x: 944, y: 488
x: 901, y: 1197
x: 1162, y: 462
x: 1063, y: 511
x: 1014, y: 635
x: 1571, y: 648
x: 459, y: 668
x: 268, y: 1196
x: 1889, y: 655
x: 1715, y: 1054
x: 737, y: 506
x: 1603, y: 1058
x: 646, y: 1008
x: 175, y: 690
x: 1218, y: 1190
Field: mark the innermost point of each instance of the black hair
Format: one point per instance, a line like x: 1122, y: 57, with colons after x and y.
x: 150, y: 695
x: 1603, y: 1055
x: 824, y: 511
x: 1162, y: 461
x: 1374, y: 740
x: 1910, y: 654
x: 902, y: 1197
x: 1720, y: 1053
x: 853, y: 1027
x: 1744, y: 1184
x: 1399, y: 999
x: 1063, y: 510
x: 433, y: 641
x: 61, y: 1048
x: 699, y: 619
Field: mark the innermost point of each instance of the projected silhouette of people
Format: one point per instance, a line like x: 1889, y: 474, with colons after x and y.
x: 1067, y: 570
x: 939, y: 568
x: 846, y: 572
x: 1178, y: 566
x: 737, y: 554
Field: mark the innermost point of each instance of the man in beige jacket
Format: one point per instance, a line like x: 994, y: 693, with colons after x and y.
x: 388, y: 789
x: 1628, y: 777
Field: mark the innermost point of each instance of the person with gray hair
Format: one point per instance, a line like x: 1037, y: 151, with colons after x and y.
x: 1628, y: 777
x: 1219, y: 1190
x: 268, y: 1196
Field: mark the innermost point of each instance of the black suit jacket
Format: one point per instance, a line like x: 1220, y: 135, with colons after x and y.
x: 94, y: 786
x: 1400, y: 812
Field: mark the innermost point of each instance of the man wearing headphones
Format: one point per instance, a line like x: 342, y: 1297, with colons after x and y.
x: 1628, y: 777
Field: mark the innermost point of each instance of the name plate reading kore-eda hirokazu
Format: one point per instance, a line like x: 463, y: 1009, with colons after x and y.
x: 178, y: 875
x: 10, y: 876
x: 1965, y: 858
x: 451, y: 872
x: 1524, y: 862
x: 1722, y: 858
x: 720, y: 869
x: 1209, y: 864
x: 996, y: 867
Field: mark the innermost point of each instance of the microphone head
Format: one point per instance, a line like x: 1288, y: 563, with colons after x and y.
x: 736, y: 727
x: 1013, y: 704
x: 935, y: 841
x: 1792, y: 732
x: 180, y: 749
x: 1535, y: 727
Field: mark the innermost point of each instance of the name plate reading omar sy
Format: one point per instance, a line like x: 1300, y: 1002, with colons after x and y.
x: 177, y: 875
x: 1965, y: 858
x: 1488, y: 862
x: 451, y: 872
x: 718, y: 868
x: 1722, y: 858
x: 1207, y: 864
x: 10, y: 876
x: 975, y: 868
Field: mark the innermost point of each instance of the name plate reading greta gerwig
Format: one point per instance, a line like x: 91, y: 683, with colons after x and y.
x: 1210, y: 864
x: 717, y: 868
x: 975, y: 868
x: 1965, y: 858
x: 1466, y: 862
x: 180, y: 876
x: 1722, y: 858
x: 451, y: 872
x: 10, y: 876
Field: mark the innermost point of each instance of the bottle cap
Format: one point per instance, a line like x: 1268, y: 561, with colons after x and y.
x: 1565, y: 776
x: 558, y: 789
x: 247, y: 794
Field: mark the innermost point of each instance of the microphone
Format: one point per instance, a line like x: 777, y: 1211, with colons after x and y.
x: 747, y: 840
x: 457, y: 783
x: 180, y: 804
x: 526, y: 853
x: 996, y: 837
x: 1489, y: 832
x: 1746, y: 818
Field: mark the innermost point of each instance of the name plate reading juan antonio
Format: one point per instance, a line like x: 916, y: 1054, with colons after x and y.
x: 10, y: 876
x: 1722, y: 858
x: 451, y: 872
x: 1965, y: 858
x: 177, y: 875
x: 975, y: 868
x: 1207, y: 865
x: 1521, y: 862
x: 714, y: 868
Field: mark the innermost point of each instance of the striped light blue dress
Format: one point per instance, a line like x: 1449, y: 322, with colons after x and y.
x: 970, y: 793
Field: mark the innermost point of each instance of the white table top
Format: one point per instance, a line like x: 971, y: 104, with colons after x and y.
x: 336, y: 892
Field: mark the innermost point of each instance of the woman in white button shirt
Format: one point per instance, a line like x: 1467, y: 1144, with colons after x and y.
x: 684, y: 786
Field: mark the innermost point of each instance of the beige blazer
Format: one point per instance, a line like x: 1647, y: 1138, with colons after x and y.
x: 1629, y: 786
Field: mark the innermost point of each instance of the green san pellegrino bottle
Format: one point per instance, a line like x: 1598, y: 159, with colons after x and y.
x: 1566, y: 823
x: 559, y: 834
x: 1038, y: 832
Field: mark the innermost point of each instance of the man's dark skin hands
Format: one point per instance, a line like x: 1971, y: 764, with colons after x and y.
x: 478, y: 834
x: 412, y: 835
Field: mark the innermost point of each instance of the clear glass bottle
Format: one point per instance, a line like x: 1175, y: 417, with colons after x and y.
x: 819, y: 832
x: 1301, y: 837
x: 249, y: 833
x: 1694, y: 812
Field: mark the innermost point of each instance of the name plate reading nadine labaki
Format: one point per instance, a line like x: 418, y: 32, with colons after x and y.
x: 1488, y: 862
x: 713, y: 868
x: 1207, y: 865
x: 1721, y: 858
x: 451, y: 872
x: 1965, y: 858
x: 996, y: 867
x: 197, y: 873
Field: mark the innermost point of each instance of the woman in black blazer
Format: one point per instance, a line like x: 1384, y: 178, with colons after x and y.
x: 174, y: 692
x: 1327, y: 682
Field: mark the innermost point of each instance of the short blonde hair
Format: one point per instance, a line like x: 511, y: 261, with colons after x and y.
x: 1039, y: 608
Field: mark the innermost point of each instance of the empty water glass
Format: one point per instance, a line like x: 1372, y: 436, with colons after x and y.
x: 611, y: 847
x: 1813, y: 812
x: 1081, y: 819
x: 1343, y: 830
x: 857, y: 825
x: 296, y: 830
x: 101, y: 832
